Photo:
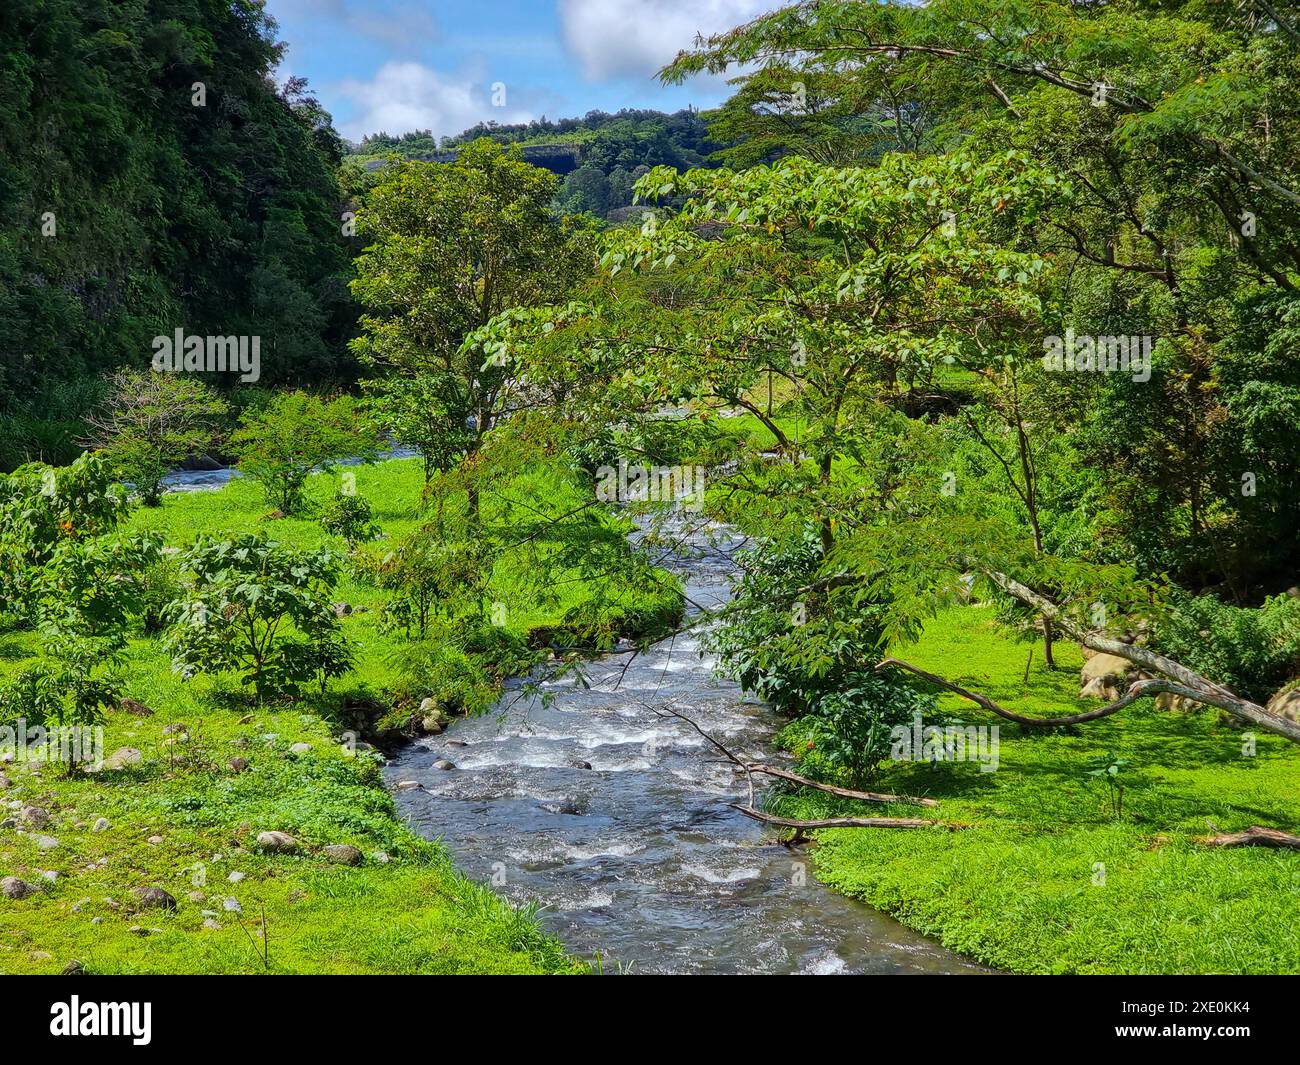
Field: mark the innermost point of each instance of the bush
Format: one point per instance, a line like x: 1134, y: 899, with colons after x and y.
x: 812, y: 655
x: 281, y: 443
x: 72, y: 687
x: 351, y: 517
x: 1253, y: 651
x: 261, y: 610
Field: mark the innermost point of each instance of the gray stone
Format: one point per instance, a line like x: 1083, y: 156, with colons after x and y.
x: 34, y: 816
x: 13, y: 888
x: 444, y: 763
x: 153, y: 898
x: 277, y: 842
x: 343, y: 854
x: 123, y: 757
x: 300, y: 748
x: 46, y: 843
x: 100, y: 825
x: 232, y: 906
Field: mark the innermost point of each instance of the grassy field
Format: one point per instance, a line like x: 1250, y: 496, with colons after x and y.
x: 1048, y: 879
x: 184, y: 820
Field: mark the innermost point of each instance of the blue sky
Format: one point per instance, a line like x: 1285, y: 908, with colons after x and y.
x: 399, y: 65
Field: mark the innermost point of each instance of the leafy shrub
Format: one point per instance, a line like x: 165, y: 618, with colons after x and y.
x: 351, y: 517
x: 259, y: 609
x: 152, y: 422
x: 43, y: 508
x: 158, y: 585
x: 74, y: 686
x: 812, y: 654
x: 94, y: 586
x: 1253, y: 651
x: 428, y: 575
x: 281, y: 443
x: 438, y: 669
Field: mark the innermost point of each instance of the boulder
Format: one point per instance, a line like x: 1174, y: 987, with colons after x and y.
x: 444, y: 763
x: 153, y: 898
x: 13, y: 888
x: 1106, y: 676
x: 238, y: 765
x: 277, y: 842
x: 1286, y: 704
x: 123, y: 757
x: 1180, y: 703
x: 132, y: 706
x: 300, y: 748
x: 34, y: 816
x: 343, y: 854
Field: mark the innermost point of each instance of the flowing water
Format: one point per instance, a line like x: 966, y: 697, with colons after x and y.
x: 639, y: 857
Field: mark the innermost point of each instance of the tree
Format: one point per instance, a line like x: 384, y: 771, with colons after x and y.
x: 281, y: 444
x: 1173, y: 120
x: 453, y: 245
x: 151, y: 422
x: 259, y: 609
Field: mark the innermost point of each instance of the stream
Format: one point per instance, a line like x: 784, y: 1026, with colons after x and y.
x: 639, y: 858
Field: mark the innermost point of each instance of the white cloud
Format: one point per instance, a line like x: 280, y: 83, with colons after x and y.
x: 405, y: 96
x: 634, y: 38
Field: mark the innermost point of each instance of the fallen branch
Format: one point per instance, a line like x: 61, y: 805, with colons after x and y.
x: 841, y: 822
x: 843, y: 793
x: 1255, y: 836
x: 1136, y: 691
x: 1184, y: 681
x: 750, y: 768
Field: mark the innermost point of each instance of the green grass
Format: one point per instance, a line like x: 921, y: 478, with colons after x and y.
x: 405, y: 909
x: 1022, y: 889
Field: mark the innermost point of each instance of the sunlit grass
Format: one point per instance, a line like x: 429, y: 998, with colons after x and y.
x: 1047, y: 879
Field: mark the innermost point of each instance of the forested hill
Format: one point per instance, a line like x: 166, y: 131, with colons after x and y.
x: 599, y: 156
x: 153, y: 177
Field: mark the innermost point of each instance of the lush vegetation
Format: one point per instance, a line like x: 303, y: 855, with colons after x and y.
x: 153, y: 177
x: 980, y: 317
x: 600, y: 156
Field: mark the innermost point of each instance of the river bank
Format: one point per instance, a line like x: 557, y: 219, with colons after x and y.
x: 1049, y: 878
x: 615, y: 816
